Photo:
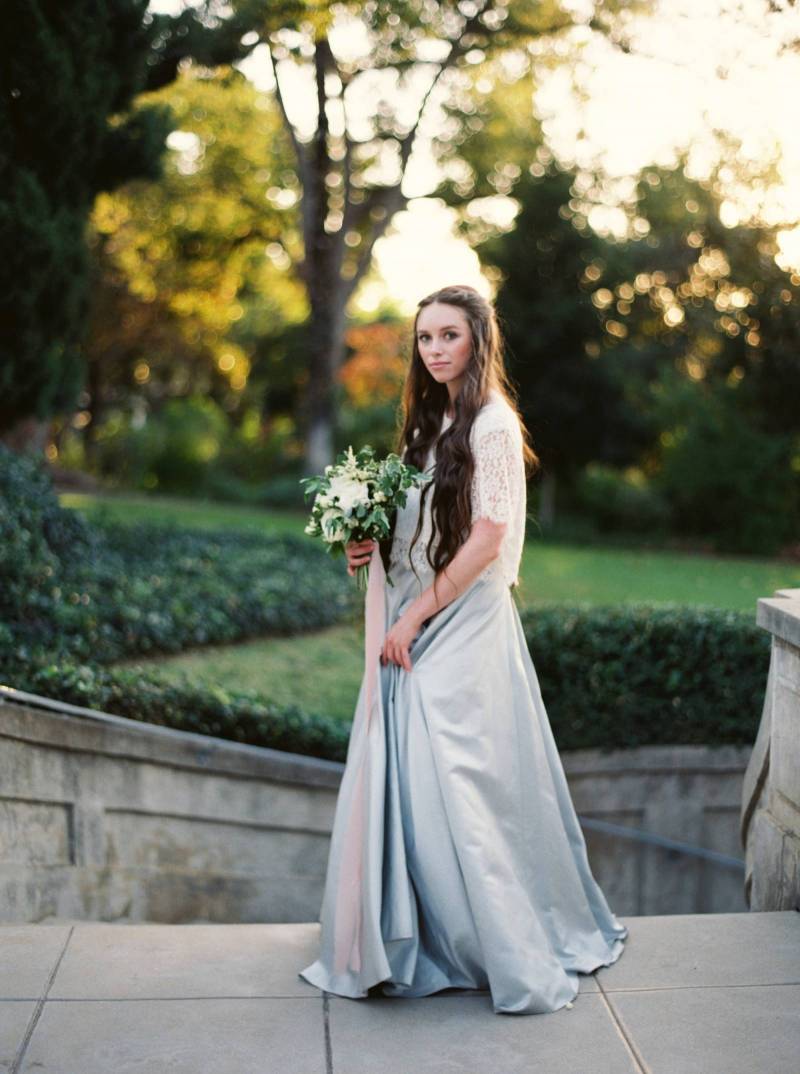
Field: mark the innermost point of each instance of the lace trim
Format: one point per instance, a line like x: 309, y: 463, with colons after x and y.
x: 497, y: 493
x: 400, y: 553
x: 492, y: 494
x: 402, y: 550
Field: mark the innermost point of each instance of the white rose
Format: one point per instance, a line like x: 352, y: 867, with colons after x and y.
x: 348, y: 493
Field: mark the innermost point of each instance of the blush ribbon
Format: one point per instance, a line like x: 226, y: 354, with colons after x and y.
x: 348, y: 913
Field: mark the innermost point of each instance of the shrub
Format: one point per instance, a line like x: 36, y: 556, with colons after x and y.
x: 620, y: 501
x: 240, y: 716
x: 640, y: 675
x: 113, y: 590
x: 38, y: 538
x: 611, y: 677
x: 728, y: 480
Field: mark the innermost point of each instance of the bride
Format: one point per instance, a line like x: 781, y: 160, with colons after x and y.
x: 456, y: 857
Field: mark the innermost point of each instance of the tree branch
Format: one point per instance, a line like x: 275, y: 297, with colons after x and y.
x: 298, y: 147
x: 394, y: 201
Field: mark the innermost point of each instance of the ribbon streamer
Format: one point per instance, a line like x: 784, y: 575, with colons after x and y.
x: 348, y: 912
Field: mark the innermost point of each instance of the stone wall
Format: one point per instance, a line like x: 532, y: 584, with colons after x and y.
x: 108, y: 819
x: 770, y: 816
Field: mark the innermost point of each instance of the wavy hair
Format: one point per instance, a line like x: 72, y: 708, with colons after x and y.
x: 423, y: 406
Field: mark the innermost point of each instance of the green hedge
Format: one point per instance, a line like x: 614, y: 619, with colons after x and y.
x: 611, y: 678
x: 155, y: 589
x: 237, y: 715
x: 74, y: 596
x: 107, y: 591
x: 641, y: 675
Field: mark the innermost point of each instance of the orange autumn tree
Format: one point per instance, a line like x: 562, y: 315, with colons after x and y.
x: 373, y: 373
x: 370, y: 385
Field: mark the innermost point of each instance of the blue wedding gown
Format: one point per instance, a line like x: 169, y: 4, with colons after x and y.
x: 474, y: 872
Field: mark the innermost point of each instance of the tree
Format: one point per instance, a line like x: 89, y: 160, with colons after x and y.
x: 192, y: 287
x: 575, y: 398
x: 351, y: 176
x: 68, y: 77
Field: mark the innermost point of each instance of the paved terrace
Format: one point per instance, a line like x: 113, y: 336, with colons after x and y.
x: 691, y: 994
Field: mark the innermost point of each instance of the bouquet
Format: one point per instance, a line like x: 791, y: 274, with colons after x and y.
x: 355, y: 498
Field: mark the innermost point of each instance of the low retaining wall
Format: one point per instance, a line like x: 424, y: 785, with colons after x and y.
x: 107, y: 819
x: 771, y: 794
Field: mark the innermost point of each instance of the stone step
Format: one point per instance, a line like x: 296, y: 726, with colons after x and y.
x: 691, y: 994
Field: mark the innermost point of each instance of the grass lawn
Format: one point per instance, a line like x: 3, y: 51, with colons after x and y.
x: 130, y: 507
x: 322, y: 671
x: 550, y: 570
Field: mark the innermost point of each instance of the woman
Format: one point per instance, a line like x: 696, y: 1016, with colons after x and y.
x: 456, y: 859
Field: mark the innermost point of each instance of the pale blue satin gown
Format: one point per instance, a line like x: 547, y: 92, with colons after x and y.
x: 475, y: 871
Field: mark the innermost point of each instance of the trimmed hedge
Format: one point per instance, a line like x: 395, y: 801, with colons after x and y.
x: 112, y: 590
x: 237, y: 715
x: 642, y: 675
x: 611, y: 678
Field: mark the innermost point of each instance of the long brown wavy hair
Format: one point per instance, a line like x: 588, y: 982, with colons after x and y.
x: 423, y: 406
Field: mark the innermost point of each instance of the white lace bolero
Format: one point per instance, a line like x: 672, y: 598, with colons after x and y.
x: 498, y: 491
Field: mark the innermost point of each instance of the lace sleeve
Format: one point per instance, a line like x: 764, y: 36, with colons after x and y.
x: 492, y: 483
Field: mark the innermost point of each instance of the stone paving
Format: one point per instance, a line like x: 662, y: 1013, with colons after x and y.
x: 691, y: 994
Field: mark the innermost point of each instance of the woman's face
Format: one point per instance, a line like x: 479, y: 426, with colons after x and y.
x: 444, y: 340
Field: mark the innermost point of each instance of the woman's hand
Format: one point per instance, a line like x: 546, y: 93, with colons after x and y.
x: 358, y: 553
x: 398, y: 641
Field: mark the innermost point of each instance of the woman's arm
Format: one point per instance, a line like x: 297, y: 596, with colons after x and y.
x: 478, y: 551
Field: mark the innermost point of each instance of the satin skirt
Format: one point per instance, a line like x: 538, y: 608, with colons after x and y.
x: 474, y: 872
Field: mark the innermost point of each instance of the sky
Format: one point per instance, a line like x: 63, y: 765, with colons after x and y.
x: 696, y: 67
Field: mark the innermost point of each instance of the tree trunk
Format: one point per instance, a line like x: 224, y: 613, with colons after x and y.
x: 326, y: 349
x: 94, y: 387
x: 30, y: 434
x: 547, y: 500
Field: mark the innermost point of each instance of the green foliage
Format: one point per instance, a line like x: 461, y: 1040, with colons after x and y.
x: 71, y: 593
x: 238, y: 715
x: 192, y: 447
x: 191, y: 285
x: 68, y: 130
x: 67, y: 70
x: 727, y: 479
x: 181, y: 441
x: 576, y: 402
x: 624, y: 502
x: 706, y: 299
x: 116, y: 590
x: 618, y: 677
x: 612, y: 678
x: 37, y: 538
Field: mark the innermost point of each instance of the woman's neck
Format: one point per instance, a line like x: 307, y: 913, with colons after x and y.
x: 450, y: 409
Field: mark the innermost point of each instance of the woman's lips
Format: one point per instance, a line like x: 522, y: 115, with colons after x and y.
x: 439, y: 365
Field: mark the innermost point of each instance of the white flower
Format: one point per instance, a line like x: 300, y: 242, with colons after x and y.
x: 309, y: 528
x: 379, y: 497
x: 332, y: 527
x: 350, y: 464
x: 348, y: 493
x: 324, y: 500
